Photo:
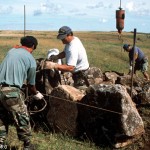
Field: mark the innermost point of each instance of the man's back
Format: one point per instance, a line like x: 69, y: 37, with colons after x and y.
x: 15, y: 66
x: 139, y: 53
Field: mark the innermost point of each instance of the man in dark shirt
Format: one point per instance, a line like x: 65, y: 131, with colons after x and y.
x: 141, y: 61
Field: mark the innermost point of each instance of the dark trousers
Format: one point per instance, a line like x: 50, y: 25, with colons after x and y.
x: 80, y: 78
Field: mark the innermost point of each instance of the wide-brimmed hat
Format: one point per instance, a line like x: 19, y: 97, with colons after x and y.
x: 63, y: 32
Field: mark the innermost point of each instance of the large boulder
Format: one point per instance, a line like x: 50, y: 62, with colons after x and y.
x: 63, y: 112
x: 112, y: 76
x: 110, y: 112
x: 144, y: 94
x: 126, y: 80
x: 140, y: 88
x: 95, y: 75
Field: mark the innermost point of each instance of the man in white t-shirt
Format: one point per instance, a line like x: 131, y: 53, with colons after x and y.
x: 75, y: 54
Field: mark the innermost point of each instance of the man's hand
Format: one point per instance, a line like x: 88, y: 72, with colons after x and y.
x: 130, y: 70
x: 53, y: 58
x: 50, y: 65
x: 38, y: 96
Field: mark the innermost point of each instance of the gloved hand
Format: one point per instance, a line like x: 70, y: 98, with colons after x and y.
x: 38, y: 96
x: 50, y: 65
x: 130, y: 70
x: 53, y: 58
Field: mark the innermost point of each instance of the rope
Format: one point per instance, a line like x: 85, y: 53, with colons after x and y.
x: 36, y: 111
x: 98, y: 108
x: 32, y: 112
x: 90, y: 106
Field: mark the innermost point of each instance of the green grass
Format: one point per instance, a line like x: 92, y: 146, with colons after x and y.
x: 49, y: 141
x: 104, y: 49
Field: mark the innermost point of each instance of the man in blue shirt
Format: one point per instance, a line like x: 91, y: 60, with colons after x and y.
x: 17, y: 68
x: 141, y: 61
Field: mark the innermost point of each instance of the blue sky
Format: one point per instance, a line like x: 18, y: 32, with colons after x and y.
x: 80, y: 15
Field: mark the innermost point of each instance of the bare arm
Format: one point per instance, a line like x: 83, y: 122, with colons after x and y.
x: 61, y: 55
x: 65, y: 68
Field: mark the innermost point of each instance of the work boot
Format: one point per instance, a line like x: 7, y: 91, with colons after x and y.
x: 29, y: 146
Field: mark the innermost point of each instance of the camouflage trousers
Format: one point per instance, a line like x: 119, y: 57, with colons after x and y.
x: 13, y: 108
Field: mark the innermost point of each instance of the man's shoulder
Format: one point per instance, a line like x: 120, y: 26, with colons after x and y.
x: 76, y: 40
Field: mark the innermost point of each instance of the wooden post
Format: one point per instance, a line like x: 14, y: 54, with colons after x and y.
x: 134, y: 40
x: 24, y: 21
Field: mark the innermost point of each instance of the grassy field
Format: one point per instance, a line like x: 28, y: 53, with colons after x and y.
x: 104, y: 50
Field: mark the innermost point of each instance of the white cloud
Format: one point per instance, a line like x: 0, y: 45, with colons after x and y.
x: 130, y: 6
x: 52, y: 7
x: 103, y: 20
x: 6, y: 10
x: 138, y: 7
x: 97, y: 5
x: 74, y: 12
